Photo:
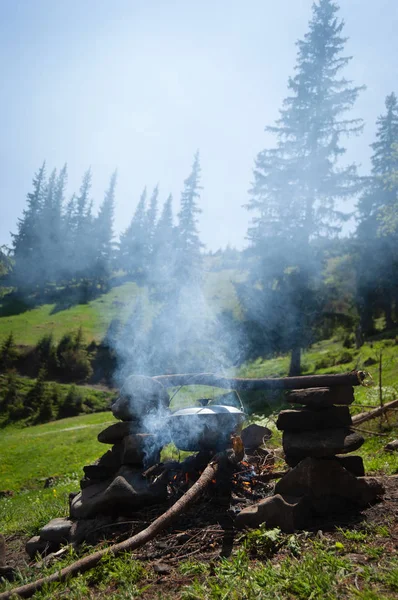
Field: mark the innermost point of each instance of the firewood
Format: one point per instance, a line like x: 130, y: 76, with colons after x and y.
x: 241, y: 384
x: 372, y: 414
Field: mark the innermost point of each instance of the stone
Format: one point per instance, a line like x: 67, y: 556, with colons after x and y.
x: 126, y: 493
x: 91, y: 530
x: 316, y: 398
x: 162, y: 568
x: 36, y: 546
x: 117, y: 431
x: 324, y: 443
x: 57, y: 530
x: 107, y: 465
x: 287, y: 512
x: 305, y: 419
x: 2, y: 550
x: 140, y: 396
x: 254, y: 435
x: 391, y: 446
x: 329, y: 486
x: 353, y: 464
x: 139, y: 447
x: 8, y: 573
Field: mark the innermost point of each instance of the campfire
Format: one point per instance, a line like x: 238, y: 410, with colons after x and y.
x: 229, y: 470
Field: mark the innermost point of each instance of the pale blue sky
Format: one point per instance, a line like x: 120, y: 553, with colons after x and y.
x: 140, y: 85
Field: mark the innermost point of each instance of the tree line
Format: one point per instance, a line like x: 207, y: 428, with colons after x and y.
x: 303, y: 279
x: 62, y: 243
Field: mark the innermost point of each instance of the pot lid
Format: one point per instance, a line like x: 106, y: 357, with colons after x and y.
x: 214, y: 409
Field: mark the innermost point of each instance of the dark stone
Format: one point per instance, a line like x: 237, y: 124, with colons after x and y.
x: 36, y: 546
x: 287, y: 512
x: 8, y: 573
x: 107, y: 465
x: 126, y: 493
x: 162, y: 568
x: 324, y: 443
x: 353, y: 464
x: 305, y: 419
x: 140, y: 396
x: 91, y: 530
x: 329, y: 486
x: 97, y: 473
x: 316, y: 398
x: 116, y: 432
x: 57, y: 531
x: 2, y: 550
x: 254, y: 435
x: 391, y: 446
x: 138, y: 447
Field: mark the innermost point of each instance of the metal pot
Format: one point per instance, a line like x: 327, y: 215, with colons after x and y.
x: 205, y: 428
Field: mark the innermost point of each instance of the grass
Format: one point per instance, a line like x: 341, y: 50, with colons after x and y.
x: 95, y: 316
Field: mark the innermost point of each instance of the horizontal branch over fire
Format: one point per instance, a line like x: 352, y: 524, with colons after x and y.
x: 268, y: 383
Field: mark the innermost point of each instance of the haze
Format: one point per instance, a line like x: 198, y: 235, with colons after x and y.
x: 142, y: 85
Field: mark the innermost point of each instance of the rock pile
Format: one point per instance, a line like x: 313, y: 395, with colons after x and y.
x: 115, y: 485
x: 323, y: 480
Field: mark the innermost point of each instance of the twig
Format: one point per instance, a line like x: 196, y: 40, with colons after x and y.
x: 369, y: 432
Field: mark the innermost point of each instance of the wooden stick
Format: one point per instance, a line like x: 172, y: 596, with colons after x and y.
x: 372, y: 414
x: 89, y: 562
x: 242, y: 384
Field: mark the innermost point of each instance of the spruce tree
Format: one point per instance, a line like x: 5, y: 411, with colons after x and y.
x: 377, y: 257
x: 103, y: 234
x: 26, y: 242
x: 162, y: 273
x: 134, y: 242
x: 297, y: 183
x: 188, y: 247
x: 83, y: 251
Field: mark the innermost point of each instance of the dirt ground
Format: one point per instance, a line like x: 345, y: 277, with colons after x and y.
x: 206, y: 533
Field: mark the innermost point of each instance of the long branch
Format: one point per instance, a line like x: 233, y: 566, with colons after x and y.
x: 244, y: 384
x: 88, y: 562
x: 372, y: 414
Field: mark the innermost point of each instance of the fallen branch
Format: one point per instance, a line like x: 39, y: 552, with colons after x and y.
x: 240, y: 384
x: 89, y: 562
x: 372, y: 414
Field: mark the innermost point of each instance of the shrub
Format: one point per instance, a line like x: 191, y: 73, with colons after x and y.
x: 72, y: 405
x: 8, y: 353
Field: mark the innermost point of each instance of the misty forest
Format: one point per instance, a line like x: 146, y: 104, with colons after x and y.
x: 311, y: 290
x: 300, y: 279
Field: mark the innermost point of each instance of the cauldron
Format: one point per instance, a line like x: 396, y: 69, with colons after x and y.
x: 205, y: 428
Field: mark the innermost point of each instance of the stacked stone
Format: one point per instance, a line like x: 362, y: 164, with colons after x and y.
x: 114, y: 485
x: 320, y: 427
x: 317, y: 436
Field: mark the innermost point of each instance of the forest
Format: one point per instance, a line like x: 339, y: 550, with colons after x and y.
x: 300, y: 280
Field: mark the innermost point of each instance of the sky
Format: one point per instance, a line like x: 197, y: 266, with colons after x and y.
x: 141, y: 85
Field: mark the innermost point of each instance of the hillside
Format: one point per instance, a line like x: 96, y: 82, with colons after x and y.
x: 30, y: 324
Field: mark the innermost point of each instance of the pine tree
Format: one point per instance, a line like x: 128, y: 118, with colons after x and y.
x: 297, y: 183
x: 103, y: 233
x: 26, y: 242
x: 188, y: 256
x: 151, y: 217
x: 377, y: 257
x: 46, y: 244
x: 162, y: 273
x: 83, y: 255
x: 134, y: 242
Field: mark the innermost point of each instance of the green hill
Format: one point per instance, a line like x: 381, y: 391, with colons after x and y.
x: 95, y: 316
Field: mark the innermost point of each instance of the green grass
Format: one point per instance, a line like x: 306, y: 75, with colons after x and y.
x: 95, y: 316
x: 56, y: 449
